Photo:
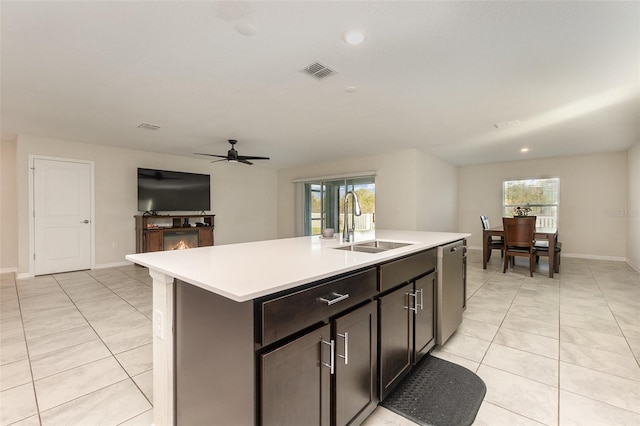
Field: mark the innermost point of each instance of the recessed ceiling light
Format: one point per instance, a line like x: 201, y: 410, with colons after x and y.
x: 350, y: 89
x: 524, y: 150
x: 353, y: 37
x: 246, y: 28
x: 507, y: 124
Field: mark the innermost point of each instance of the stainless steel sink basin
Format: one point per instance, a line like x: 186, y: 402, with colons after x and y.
x: 361, y: 249
x: 375, y: 246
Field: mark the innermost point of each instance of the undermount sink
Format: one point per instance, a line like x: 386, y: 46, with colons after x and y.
x: 375, y: 246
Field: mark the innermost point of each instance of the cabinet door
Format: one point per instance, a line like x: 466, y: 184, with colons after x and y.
x: 295, y: 383
x: 154, y: 241
x: 424, y: 315
x: 356, y: 336
x: 205, y: 237
x: 396, y: 337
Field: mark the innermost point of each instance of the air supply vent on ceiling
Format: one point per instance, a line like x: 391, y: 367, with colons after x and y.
x: 318, y: 70
x: 148, y: 126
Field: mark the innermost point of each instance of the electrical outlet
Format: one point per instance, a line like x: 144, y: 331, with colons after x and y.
x: 158, y: 321
x: 114, y: 244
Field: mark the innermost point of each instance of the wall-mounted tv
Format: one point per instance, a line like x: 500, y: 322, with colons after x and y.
x: 164, y: 190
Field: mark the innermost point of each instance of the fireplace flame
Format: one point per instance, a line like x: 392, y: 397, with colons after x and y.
x: 181, y: 245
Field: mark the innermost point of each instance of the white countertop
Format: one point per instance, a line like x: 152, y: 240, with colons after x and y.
x: 246, y: 271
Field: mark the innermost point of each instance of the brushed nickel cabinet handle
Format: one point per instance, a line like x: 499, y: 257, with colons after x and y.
x: 421, y: 304
x: 409, y: 296
x: 345, y: 336
x: 332, y: 355
x: 337, y: 298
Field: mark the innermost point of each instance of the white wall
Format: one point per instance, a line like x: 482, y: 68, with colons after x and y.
x: 437, y: 187
x: 8, y: 207
x: 405, y: 182
x: 633, y: 213
x: 243, y: 198
x: 593, y: 190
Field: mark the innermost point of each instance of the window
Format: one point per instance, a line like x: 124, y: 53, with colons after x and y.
x: 541, y: 195
x: 323, y: 204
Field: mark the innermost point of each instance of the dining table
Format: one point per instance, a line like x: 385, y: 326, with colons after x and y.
x: 549, y: 234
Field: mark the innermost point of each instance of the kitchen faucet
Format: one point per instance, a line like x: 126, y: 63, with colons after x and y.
x: 347, y: 235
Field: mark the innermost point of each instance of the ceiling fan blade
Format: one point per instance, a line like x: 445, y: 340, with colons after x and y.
x: 211, y: 155
x: 217, y: 161
x: 232, y: 155
x: 250, y: 157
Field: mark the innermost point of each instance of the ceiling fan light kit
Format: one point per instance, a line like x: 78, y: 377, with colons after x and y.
x: 233, y: 157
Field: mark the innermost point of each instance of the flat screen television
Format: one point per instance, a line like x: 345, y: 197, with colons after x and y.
x: 164, y: 190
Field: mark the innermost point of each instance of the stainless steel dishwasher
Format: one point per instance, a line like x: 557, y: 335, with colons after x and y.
x: 451, y: 293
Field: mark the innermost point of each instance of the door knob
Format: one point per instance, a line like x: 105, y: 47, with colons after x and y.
x: 85, y: 221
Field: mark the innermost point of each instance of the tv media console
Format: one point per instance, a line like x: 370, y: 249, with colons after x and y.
x: 173, y: 232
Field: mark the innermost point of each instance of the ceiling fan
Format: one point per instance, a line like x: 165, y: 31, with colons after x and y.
x: 233, y: 157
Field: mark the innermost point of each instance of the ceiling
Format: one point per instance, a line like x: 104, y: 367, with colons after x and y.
x: 434, y: 76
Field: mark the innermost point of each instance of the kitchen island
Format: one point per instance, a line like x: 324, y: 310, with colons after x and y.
x: 220, y: 318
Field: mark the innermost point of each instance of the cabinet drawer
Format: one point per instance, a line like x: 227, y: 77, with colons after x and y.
x: 406, y: 269
x: 285, y: 315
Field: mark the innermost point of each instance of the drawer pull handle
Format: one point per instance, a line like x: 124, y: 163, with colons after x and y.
x: 421, y: 304
x: 332, y: 355
x: 337, y: 298
x: 345, y: 336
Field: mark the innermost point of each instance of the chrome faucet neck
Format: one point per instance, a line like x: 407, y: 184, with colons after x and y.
x: 347, y: 234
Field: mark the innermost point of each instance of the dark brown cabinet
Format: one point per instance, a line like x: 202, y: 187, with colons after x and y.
x: 396, y: 332
x: 295, y: 385
x: 407, y: 316
x: 356, y: 364
x: 424, y: 316
x: 297, y: 378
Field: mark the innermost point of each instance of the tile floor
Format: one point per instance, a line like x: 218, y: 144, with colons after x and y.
x: 75, y: 348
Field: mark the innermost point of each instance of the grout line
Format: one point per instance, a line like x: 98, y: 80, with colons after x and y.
x: 24, y: 333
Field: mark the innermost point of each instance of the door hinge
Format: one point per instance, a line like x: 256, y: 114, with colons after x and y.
x: 34, y: 256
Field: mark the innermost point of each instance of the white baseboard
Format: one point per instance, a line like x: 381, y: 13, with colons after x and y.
x: 112, y: 265
x: 578, y: 256
x: 23, y: 275
x: 594, y: 257
x: 637, y: 268
x: 8, y: 270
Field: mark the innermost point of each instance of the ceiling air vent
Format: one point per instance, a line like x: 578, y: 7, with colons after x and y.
x: 148, y: 126
x: 318, y: 70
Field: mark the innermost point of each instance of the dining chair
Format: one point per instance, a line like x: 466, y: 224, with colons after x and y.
x: 492, y: 243
x: 542, y: 249
x: 518, y: 240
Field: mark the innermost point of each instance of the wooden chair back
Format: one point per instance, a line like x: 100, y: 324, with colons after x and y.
x: 518, y: 232
x: 518, y: 239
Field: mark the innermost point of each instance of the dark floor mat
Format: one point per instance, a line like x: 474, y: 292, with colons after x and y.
x: 438, y: 393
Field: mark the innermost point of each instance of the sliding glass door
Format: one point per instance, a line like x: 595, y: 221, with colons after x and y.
x: 324, y: 204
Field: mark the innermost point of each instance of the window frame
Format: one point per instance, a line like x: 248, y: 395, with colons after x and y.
x: 540, y: 222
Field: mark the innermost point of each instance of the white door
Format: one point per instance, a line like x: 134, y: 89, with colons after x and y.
x: 62, y: 215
